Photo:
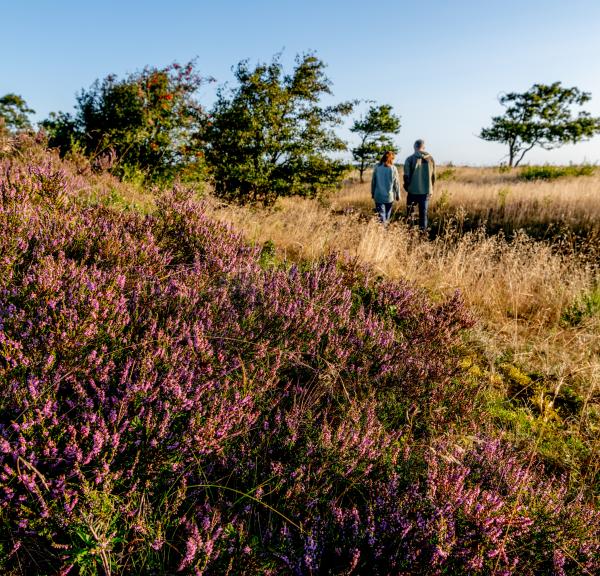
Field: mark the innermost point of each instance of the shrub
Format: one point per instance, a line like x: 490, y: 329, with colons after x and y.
x: 448, y: 173
x: 173, y: 401
x: 144, y: 359
x: 587, y: 306
x: 146, y: 121
x: 271, y: 137
x: 549, y: 172
x: 473, y: 510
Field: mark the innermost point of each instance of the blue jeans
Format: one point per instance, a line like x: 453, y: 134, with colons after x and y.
x: 384, y: 211
x: 422, y: 201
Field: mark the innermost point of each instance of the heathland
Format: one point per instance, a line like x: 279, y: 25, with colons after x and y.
x: 190, y: 385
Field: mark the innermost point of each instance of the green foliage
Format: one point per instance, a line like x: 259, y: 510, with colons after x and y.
x: 448, y: 173
x: 374, y: 130
x: 63, y: 132
x: 270, y: 136
x: 14, y: 113
x: 559, y: 447
x: 538, y: 410
x: 268, y: 255
x: 542, y: 116
x: 548, y: 172
x: 585, y: 307
x: 503, y: 194
x: 145, y: 121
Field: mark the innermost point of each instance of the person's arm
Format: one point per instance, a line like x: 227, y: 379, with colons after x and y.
x: 406, y: 175
x: 432, y: 172
x: 373, y: 182
x: 396, y: 181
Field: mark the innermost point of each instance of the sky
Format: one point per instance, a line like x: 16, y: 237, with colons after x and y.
x: 440, y: 64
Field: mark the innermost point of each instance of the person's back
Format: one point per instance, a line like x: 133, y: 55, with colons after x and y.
x: 419, y: 179
x: 419, y: 173
x: 385, y: 186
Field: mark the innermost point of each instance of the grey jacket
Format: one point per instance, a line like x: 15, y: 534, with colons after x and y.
x: 385, y: 184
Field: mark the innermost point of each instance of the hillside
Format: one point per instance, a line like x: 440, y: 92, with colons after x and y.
x: 193, y: 387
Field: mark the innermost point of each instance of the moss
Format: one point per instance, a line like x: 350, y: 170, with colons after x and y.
x: 517, y: 380
x: 559, y: 447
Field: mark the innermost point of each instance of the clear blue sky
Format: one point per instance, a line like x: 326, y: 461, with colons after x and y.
x: 440, y: 63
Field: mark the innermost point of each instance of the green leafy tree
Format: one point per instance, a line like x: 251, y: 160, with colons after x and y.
x: 145, y: 120
x: 375, y: 130
x: 14, y: 113
x: 542, y: 116
x: 270, y: 136
x: 63, y: 131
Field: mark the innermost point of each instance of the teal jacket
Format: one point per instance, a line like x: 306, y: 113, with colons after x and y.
x: 385, y: 184
x: 419, y: 174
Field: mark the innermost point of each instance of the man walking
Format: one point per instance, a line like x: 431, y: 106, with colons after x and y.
x: 419, y: 179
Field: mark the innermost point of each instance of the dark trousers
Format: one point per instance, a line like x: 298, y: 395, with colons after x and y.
x: 422, y: 201
x: 384, y: 211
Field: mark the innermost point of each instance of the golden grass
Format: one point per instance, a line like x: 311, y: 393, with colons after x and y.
x: 519, y: 289
x: 502, y: 200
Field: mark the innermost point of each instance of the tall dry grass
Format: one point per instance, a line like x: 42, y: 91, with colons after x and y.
x: 566, y: 208
x: 520, y: 288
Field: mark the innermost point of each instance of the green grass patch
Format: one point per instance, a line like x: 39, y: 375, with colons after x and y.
x: 448, y: 173
x: 548, y: 172
x: 559, y: 446
x: 584, y: 307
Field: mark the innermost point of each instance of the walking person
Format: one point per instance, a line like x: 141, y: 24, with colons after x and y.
x: 419, y: 179
x: 385, y: 186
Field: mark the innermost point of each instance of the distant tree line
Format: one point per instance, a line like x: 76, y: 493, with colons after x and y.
x: 270, y: 134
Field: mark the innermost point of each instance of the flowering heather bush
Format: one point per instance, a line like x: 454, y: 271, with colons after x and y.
x: 171, y: 404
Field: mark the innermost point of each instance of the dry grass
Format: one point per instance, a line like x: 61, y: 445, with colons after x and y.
x: 568, y: 208
x: 520, y: 289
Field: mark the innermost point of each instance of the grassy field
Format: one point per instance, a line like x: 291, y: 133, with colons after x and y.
x: 525, y: 256
x: 557, y: 208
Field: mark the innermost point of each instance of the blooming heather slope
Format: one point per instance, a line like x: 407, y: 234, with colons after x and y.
x: 173, y: 401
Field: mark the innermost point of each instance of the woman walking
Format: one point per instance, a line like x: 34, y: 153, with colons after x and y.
x: 385, y: 186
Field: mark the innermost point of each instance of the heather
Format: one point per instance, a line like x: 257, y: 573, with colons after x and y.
x: 177, y: 400
x: 536, y: 341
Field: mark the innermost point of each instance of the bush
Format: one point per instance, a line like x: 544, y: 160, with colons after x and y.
x: 448, y: 173
x: 173, y: 401
x: 549, y: 172
x: 271, y: 137
x: 587, y: 306
x: 146, y: 121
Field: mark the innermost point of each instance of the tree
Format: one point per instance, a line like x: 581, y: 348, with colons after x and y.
x: 63, y: 131
x: 542, y: 116
x: 146, y: 120
x: 271, y: 137
x: 15, y: 113
x: 374, y: 130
